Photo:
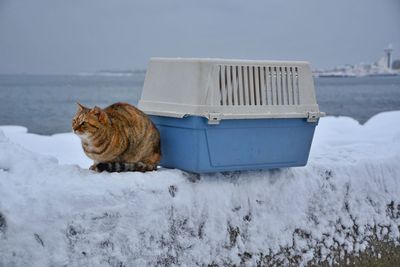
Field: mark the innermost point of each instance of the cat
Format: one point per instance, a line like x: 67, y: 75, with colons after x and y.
x: 118, y: 138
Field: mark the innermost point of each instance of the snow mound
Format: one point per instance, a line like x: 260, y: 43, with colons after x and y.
x: 55, y: 212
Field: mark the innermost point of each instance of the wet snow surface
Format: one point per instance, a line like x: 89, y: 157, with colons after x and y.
x: 55, y: 212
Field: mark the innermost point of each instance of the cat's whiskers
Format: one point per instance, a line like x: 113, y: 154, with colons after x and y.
x: 85, y: 137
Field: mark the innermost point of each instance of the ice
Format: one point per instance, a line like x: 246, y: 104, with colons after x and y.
x: 55, y: 212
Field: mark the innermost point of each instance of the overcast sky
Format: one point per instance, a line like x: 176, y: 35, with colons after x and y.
x: 72, y: 36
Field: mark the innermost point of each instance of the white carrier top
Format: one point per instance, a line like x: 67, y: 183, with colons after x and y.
x: 229, y: 89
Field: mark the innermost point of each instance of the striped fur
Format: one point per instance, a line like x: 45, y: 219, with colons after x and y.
x: 118, y: 138
x: 124, y: 167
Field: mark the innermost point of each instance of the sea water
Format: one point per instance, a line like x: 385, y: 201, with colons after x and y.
x: 45, y: 104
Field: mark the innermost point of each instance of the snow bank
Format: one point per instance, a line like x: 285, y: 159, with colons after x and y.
x: 55, y: 212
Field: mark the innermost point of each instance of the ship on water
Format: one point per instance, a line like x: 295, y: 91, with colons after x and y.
x: 380, y: 68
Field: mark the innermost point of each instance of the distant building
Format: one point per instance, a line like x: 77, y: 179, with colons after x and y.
x: 388, y: 54
x: 382, y: 67
x: 396, y: 64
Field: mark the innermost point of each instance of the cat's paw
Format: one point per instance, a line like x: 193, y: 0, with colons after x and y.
x: 93, y: 167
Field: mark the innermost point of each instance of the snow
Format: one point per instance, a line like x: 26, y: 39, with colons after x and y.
x: 55, y: 212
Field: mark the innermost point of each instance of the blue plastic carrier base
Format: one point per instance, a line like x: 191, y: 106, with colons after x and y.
x: 193, y: 145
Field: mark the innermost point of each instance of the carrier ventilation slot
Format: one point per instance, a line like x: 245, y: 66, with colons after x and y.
x: 258, y: 85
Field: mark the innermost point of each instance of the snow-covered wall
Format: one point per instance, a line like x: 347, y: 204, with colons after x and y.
x: 55, y: 212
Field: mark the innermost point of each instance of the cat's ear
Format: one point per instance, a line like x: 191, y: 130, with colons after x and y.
x: 100, y: 114
x: 96, y: 110
x: 80, y: 107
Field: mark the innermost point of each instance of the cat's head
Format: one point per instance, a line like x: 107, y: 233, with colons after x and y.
x: 88, y: 121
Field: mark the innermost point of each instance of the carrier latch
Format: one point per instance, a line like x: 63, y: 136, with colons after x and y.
x: 214, y: 118
x: 313, y: 116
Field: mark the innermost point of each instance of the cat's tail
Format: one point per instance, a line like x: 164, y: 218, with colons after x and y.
x: 124, y: 167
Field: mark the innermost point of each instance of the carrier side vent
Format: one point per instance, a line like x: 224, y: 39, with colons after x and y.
x: 258, y: 85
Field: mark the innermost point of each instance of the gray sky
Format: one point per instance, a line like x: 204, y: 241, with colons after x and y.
x: 71, y: 36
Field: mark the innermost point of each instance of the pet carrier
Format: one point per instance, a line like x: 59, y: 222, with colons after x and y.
x: 226, y: 115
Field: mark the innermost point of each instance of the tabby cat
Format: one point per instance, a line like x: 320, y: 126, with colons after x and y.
x: 118, y: 138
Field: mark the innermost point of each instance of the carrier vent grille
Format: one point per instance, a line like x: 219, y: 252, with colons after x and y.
x: 258, y: 85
